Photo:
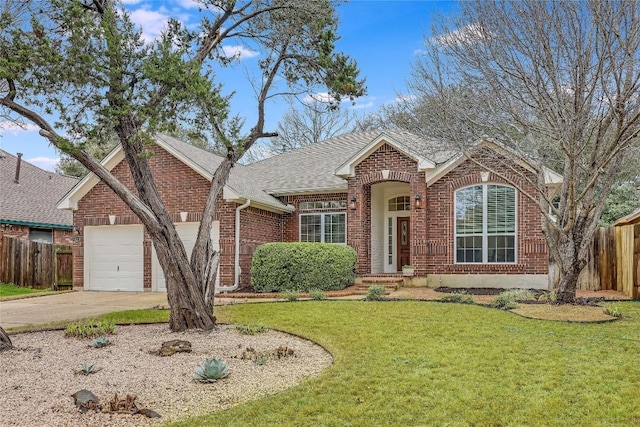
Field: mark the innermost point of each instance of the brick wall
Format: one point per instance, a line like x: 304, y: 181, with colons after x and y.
x: 432, y: 226
x: 181, y: 189
x: 368, y: 172
x: 257, y: 226
x: 532, y: 256
x: 60, y: 236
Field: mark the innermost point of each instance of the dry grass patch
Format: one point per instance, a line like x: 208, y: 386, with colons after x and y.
x: 566, y: 313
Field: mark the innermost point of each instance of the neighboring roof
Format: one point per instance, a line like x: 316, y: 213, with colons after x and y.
x: 241, y: 186
x: 314, y: 168
x: 32, y: 201
x: 632, y: 218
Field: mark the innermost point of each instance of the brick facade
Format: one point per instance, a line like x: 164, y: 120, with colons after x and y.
x: 181, y: 189
x: 60, y: 236
x: 431, y: 224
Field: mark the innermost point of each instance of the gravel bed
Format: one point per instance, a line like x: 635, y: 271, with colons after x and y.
x: 38, y: 377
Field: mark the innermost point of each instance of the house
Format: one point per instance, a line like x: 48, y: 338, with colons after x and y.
x: 28, y: 198
x: 456, y: 223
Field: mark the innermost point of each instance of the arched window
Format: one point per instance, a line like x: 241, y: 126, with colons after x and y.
x: 485, y: 224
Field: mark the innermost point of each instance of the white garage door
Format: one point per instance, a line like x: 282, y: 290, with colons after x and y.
x: 113, y: 258
x: 188, y: 232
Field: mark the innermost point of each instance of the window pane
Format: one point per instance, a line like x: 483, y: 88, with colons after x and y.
x: 41, y: 235
x: 334, y: 228
x: 400, y: 203
x: 469, y: 249
x: 469, y: 210
x: 501, y: 209
x: 501, y: 249
x: 310, y: 228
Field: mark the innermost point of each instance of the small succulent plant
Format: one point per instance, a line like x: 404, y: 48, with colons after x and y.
x: 100, y: 342
x: 87, y: 369
x: 212, y: 370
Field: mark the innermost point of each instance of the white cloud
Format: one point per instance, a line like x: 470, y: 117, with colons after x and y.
x: 362, y: 106
x: 131, y: 1
x: 419, y: 52
x: 405, y: 98
x: 152, y: 22
x: 47, y: 163
x: 470, y: 34
x: 13, y: 128
x: 189, y: 4
x: 238, y: 52
x: 318, y: 97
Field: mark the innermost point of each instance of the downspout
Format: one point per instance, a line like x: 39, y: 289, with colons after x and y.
x: 236, y: 280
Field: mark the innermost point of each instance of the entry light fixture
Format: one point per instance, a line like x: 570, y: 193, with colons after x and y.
x: 418, y: 203
x: 353, y: 203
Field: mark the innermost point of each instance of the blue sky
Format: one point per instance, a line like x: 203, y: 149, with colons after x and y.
x: 383, y: 36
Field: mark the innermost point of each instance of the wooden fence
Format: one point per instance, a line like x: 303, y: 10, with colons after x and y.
x: 38, y: 265
x: 614, y: 262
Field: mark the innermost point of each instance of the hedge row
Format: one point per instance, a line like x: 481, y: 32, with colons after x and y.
x: 277, y: 267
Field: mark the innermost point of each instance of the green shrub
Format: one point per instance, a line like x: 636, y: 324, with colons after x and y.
x: 548, y: 297
x: 613, y: 311
x: 458, y: 297
x: 375, y: 293
x: 277, y: 267
x: 289, y: 295
x: 317, y: 294
x: 251, y: 329
x: 508, y: 300
x: 90, y: 329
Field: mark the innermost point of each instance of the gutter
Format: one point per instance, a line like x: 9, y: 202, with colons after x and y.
x: 236, y: 280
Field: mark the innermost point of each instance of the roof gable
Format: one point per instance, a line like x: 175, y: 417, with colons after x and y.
x: 241, y: 186
x: 347, y: 169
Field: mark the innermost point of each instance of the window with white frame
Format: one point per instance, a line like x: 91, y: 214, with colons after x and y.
x: 323, y: 228
x: 485, y: 229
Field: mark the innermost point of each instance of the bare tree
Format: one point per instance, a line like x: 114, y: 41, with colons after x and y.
x: 312, y: 122
x: 86, y: 63
x: 554, y: 82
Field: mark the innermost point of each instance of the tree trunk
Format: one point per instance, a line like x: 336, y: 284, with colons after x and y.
x: 5, y: 342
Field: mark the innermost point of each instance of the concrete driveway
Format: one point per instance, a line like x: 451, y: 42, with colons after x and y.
x: 74, y: 305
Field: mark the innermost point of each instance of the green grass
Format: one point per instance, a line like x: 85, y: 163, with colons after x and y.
x: 11, y: 290
x: 417, y: 363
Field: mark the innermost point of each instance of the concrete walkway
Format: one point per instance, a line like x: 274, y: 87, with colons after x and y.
x: 73, y: 305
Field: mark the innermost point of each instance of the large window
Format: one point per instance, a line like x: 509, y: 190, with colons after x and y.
x: 323, y: 228
x: 485, y: 224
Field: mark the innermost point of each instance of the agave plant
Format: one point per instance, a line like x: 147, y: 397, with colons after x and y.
x: 211, y: 371
x: 87, y: 369
x: 100, y: 342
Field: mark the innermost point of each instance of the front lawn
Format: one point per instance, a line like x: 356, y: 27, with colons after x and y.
x: 10, y: 290
x: 422, y: 363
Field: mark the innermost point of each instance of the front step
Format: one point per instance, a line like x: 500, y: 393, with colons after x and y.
x: 390, y: 283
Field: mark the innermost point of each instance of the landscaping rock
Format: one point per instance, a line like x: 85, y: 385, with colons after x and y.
x: 169, y: 348
x: 85, y: 400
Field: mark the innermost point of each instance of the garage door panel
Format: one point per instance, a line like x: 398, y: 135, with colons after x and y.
x: 188, y: 233
x: 114, y: 258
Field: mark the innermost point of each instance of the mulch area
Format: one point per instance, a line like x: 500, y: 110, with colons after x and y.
x: 586, y: 311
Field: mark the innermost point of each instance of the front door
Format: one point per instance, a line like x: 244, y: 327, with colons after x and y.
x: 402, y: 242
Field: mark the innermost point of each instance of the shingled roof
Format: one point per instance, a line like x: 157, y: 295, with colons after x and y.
x: 313, y: 167
x: 32, y: 201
